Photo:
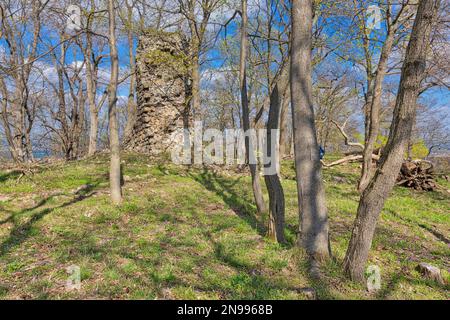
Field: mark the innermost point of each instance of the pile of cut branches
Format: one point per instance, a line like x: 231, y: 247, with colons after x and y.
x: 418, y: 175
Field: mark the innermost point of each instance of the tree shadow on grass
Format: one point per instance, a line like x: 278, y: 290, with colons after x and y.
x: 249, y: 282
x: 238, y: 203
x: 396, y: 279
x: 316, y: 273
x: 390, y: 287
x: 261, y: 286
x: 436, y: 233
x: 321, y: 287
x: 9, y: 175
x: 258, y: 285
x: 437, y: 195
x: 13, y: 216
x: 21, y: 232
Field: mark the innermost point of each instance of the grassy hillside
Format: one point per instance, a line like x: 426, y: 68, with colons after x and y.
x: 192, y: 234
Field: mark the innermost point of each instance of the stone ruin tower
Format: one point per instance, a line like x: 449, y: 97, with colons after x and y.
x: 163, y: 91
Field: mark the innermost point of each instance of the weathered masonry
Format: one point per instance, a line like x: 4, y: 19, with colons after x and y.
x: 163, y: 91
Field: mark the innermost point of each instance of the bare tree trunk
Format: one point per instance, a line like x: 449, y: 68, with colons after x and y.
x: 18, y: 118
x: 91, y: 93
x: 374, y: 111
x: 311, y: 193
x: 79, y: 128
x: 18, y: 128
x: 375, y: 85
x: 5, y: 120
x: 195, y: 100
x: 18, y: 122
x: 62, y: 105
x: 93, y: 129
x: 274, y: 187
x: 373, y: 198
x: 114, y: 173
x: 131, y: 106
x: 197, y: 14
x: 29, y: 144
x: 284, y: 139
x: 256, y: 184
x: 196, y: 41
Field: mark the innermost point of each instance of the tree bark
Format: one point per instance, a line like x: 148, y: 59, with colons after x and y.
x: 195, y: 100
x: 18, y: 123
x: 91, y: 91
x: 284, y: 139
x: 374, y: 196
x: 195, y: 43
x: 115, y: 170
x: 311, y: 193
x: 131, y: 105
x: 79, y: 125
x: 93, y: 129
x: 274, y: 187
x: 374, y: 110
x: 249, y: 143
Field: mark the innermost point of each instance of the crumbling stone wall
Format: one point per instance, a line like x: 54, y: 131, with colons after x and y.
x: 163, y: 91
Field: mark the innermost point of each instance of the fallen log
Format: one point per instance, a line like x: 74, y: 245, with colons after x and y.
x: 348, y: 159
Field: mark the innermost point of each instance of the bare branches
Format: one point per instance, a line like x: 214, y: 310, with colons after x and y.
x: 345, y: 135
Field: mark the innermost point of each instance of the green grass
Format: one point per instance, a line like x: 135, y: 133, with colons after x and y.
x: 186, y: 233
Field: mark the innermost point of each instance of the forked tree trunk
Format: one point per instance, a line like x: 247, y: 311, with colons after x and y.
x: 249, y: 143
x: 373, y: 198
x: 18, y: 120
x: 311, y: 193
x: 274, y: 187
x: 374, y: 110
x: 114, y: 173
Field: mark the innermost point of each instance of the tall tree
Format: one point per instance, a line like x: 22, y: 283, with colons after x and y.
x: 375, y: 80
x: 377, y: 191
x: 114, y: 173
x: 68, y: 91
x: 20, y: 28
x: 273, y: 183
x: 198, y: 14
x: 249, y: 143
x: 311, y: 193
x: 284, y: 126
x: 92, y: 65
x: 131, y: 104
